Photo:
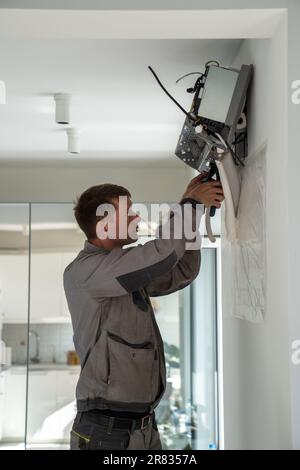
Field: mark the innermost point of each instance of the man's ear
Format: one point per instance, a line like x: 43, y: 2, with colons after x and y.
x: 102, y: 229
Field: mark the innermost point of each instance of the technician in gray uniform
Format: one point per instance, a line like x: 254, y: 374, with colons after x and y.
x: 116, y: 336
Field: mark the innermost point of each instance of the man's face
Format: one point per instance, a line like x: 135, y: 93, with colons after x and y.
x: 122, y: 225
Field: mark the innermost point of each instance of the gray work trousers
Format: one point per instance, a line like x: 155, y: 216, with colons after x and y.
x: 92, y: 435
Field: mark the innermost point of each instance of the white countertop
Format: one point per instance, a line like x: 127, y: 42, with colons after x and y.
x: 44, y: 366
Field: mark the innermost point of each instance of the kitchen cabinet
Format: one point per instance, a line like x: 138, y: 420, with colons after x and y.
x: 2, y: 389
x: 51, y: 403
x: 66, y: 385
x: 66, y: 259
x: 51, y: 407
x: 48, y: 302
x: 14, y: 285
x: 41, y: 400
x: 47, y: 298
x: 45, y: 286
x: 14, y: 404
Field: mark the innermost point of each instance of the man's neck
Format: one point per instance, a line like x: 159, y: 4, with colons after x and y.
x: 105, y: 244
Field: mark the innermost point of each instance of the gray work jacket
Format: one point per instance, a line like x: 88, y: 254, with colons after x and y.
x: 115, y: 332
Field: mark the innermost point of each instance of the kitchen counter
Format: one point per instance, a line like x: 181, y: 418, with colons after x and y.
x: 44, y: 366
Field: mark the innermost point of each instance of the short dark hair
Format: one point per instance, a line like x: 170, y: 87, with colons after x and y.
x: 86, y: 205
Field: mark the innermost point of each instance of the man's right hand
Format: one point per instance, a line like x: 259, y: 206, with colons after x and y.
x: 209, y: 193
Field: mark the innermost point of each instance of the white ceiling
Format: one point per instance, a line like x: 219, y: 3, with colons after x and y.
x: 123, y: 113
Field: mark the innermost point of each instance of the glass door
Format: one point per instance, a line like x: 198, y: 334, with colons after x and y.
x: 41, y: 367
x: 53, y: 369
x: 14, y: 277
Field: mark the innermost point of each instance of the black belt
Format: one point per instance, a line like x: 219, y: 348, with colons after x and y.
x: 110, y: 422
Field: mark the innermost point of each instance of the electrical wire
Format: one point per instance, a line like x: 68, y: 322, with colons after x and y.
x: 170, y: 96
x: 230, y: 213
x: 234, y: 154
x: 239, y: 138
x: 230, y: 220
x: 208, y: 225
x: 221, y: 139
x: 224, y: 142
x: 187, y: 74
x: 212, y: 62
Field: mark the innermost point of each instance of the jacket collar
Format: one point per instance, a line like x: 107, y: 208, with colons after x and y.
x: 90, y: 247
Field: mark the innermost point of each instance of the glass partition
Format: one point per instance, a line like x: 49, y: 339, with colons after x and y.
x: 204, y: 363
x: 14, y: 282
x: 40, y: 337
x: 53, y: 368
x: 187, y: 414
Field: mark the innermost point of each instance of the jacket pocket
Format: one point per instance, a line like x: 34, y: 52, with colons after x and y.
x: 94, y: 375
x: 131, y: 367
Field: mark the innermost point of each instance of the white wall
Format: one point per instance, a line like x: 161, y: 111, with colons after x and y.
x: 256, y: 356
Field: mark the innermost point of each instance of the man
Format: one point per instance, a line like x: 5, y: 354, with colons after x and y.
x: 116, y: 336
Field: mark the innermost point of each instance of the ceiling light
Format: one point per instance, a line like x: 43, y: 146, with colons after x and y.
x: 62, y: 111
x: 73, y: 140
x: 2, y: 92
